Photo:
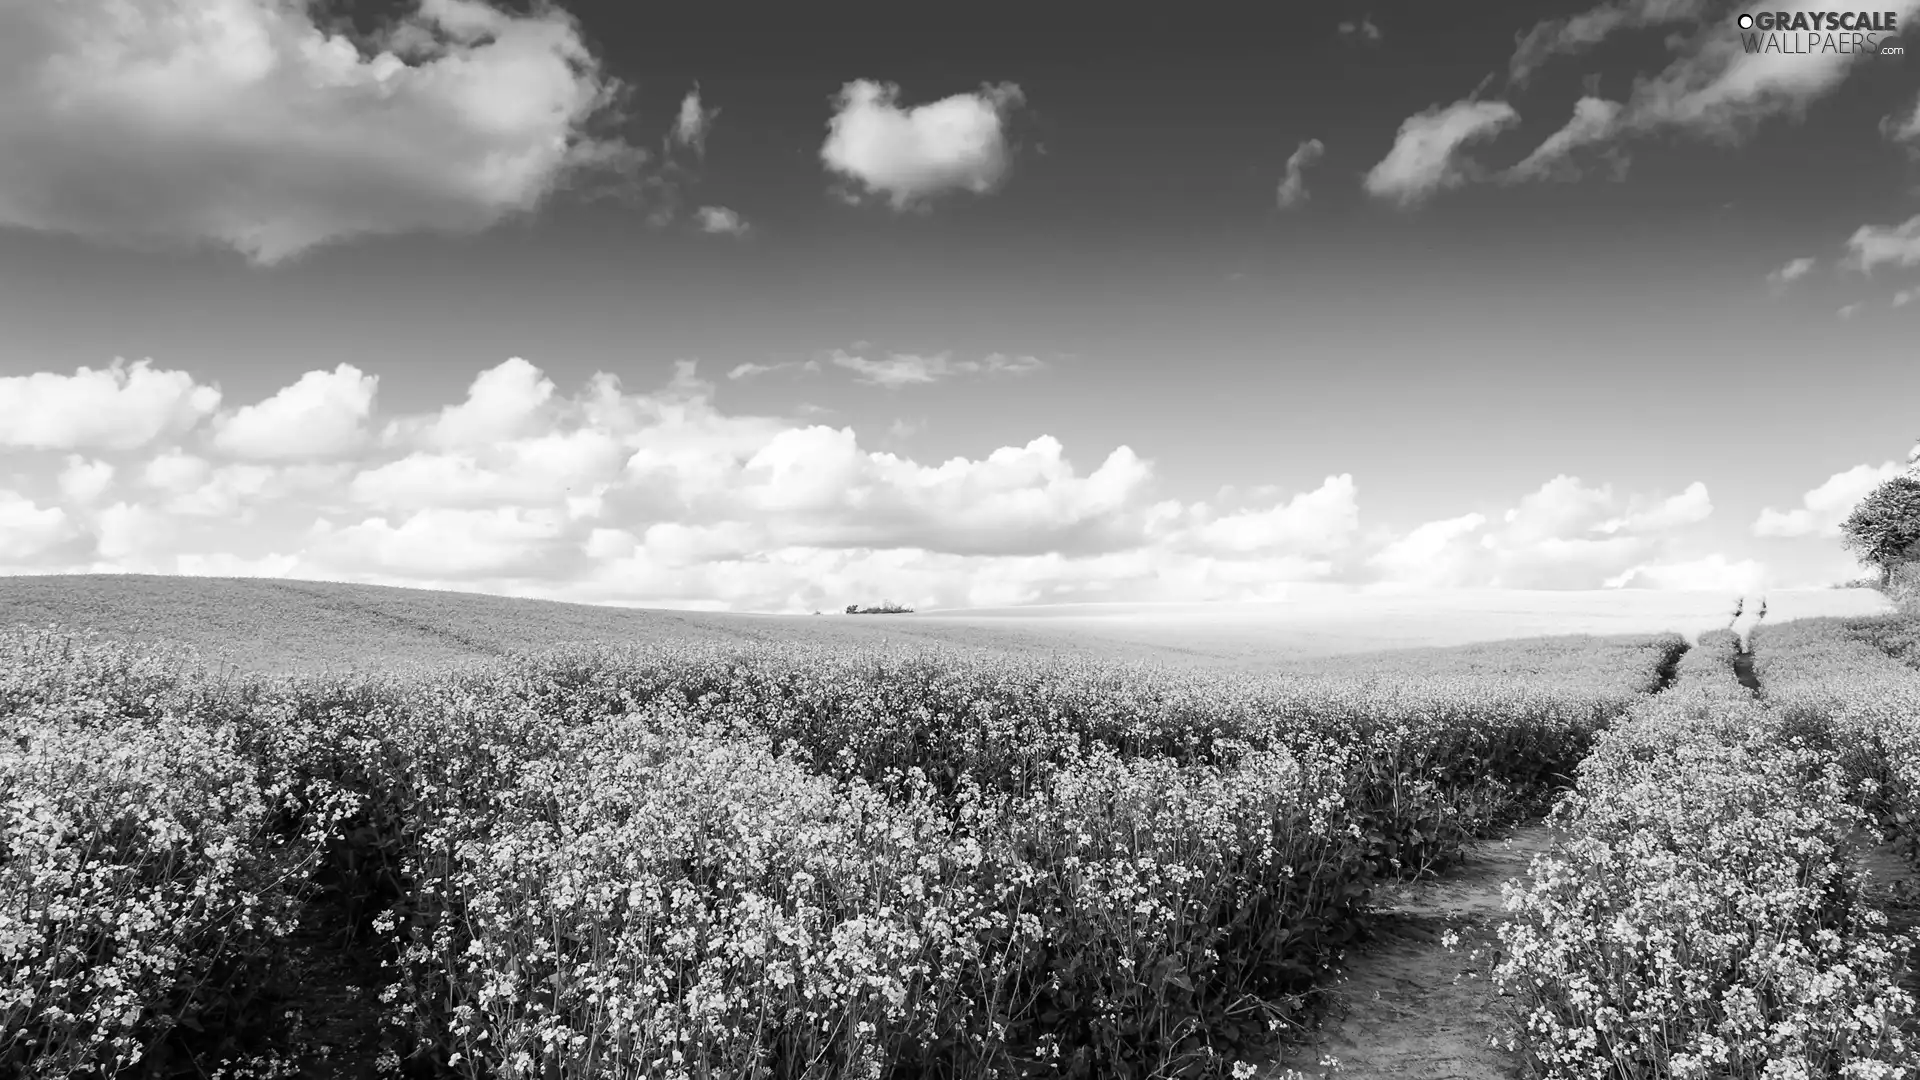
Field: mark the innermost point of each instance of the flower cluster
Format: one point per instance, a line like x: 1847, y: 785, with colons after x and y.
x: 1704, y: 915
x: 145, y: 881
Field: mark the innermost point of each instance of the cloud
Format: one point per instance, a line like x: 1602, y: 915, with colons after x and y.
x: 442, y: 543
x: 121, y: 407
x: 751, y: 370
x: 1878, y: 245
x: 1572, y: 34
x: 1848, y: 311
x: 1424, y: 158
x: 244, y: 124
x: 1904, y: 129
x: 83, y: 481
x: 1594, y: 120
x: 1293, y: 187
x: 1315, y: 523
x: 131, y: 532
x: 820, y: 488
x: 1564, y: 535
x: 908, y: 369
x: 1823, y: 509
x: 1905, y: 297
x: 1712, y: 573
x: 1364, y: 30
x: 692, y: 123
x: 1718, y: 90
x: 502, y: 402
x: 909, y: 155
x: 1430, y: 553
x: 543, y: 470
x: 28, y: 530
x: 720, y: 220
x: 1690, y: 507
x: 1714, y: 89
x: 660, y: 497
x: 1793, y: 270
x: 322, y: 414
x: 191, y: 486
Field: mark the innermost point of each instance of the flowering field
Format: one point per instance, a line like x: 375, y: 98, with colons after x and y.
x: 778, y: 862
x: 1706, y: 915
x: 1862, y: 679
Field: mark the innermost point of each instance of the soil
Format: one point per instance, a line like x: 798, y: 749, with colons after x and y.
x: 1893, y: 886
x: 1409, y: 1006
x: 333, y: 996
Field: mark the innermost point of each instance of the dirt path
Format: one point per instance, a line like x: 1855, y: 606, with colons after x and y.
x: 1410, y: 1007
x: 1743, y: 671
x: 1893, y: 886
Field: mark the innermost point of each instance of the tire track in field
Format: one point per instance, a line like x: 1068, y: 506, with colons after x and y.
x: 1409, y: 1006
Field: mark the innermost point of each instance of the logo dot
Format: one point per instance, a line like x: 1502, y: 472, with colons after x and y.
x: 1746, y: 22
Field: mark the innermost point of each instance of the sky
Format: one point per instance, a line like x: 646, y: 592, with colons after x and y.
x: 777, y: 307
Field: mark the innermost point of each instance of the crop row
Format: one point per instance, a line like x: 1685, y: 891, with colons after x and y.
x: 1703, y: 913
x: 772, y: 863
x: 1860, y: 679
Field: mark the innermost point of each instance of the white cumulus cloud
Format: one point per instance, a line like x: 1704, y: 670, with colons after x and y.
x: 247, y: 124
x: 83, y: 481
x: 909, y: 154
x: 322, y: 414
x: 28, y: 530
x: 1823, y: 509
x: 502, y: 402
x: 661, y: 497
x: 443, y: 544
x: 1320, y: 522
x: 1566, y: 534
x: 1715, y: 573
x: 121, y: 407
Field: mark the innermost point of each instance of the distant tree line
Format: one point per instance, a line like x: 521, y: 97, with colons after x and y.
x: 887, y: 607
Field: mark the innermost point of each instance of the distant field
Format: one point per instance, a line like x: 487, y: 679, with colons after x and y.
x: 275, y: 625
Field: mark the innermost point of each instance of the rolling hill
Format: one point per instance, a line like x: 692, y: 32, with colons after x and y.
x: 283, y: 625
